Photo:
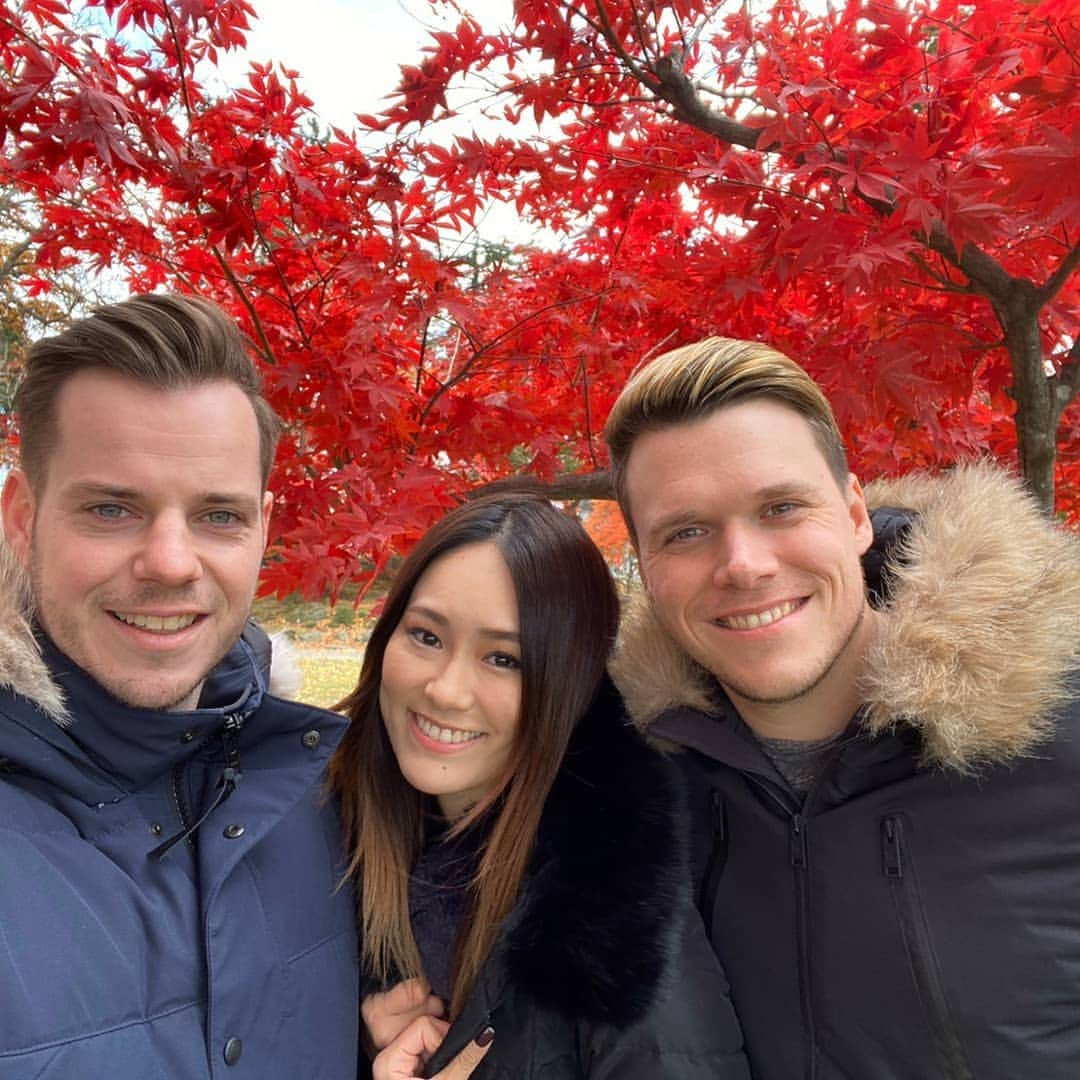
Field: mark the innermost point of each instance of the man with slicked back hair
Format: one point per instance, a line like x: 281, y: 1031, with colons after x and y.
x: 874, y: 696
x: 168, y: 865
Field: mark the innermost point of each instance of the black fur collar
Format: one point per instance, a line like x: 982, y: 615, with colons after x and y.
x: 598, y: 919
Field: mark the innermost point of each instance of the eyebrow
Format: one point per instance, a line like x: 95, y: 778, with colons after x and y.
x: 787, y: 488
x: 484, y: 631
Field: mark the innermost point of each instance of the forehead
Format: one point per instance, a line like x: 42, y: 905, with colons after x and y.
x: 470, y: 583
x: 120, y: 431
x: 731, y: 455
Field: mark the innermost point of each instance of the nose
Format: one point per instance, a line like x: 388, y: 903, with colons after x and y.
x: 450, y: 687
x: 745, y: 558
x: 167, y: 553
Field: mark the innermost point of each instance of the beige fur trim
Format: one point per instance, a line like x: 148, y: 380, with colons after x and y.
x: 984, y: 628
x: 652, y: 673
x: 980, y: 635
x: 21, y: 666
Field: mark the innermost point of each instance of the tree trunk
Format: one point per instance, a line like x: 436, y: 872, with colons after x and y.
x: 1037, y: 410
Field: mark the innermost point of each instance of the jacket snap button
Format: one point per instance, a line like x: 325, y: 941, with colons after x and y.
x: 156, y: 829
x: 311, y: 739
x: 233, y: 1049
x: 231, y: 833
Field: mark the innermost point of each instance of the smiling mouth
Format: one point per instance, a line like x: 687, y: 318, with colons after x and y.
x: 757, y: 619
x: 157, y: 624
x: 450, y: 736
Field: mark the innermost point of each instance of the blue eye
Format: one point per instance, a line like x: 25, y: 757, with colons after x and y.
x: 691, y: 532
x: 108, y: 511
x: 222, y: 517
x: 780, y: 509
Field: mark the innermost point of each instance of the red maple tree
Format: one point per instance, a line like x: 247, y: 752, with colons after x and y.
x: 888, y: 192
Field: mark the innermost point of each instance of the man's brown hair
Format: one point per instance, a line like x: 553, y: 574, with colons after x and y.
x: 167, y: 341
x: 694, y: 381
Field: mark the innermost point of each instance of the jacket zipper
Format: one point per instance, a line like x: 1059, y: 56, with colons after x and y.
x: 180, y: 801
x: 920, y: 953
x: 710, y: 881
x: 800, y: 861
x: 799, y: 849
x: 227, y: 783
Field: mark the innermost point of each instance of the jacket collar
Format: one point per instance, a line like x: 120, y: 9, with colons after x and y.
x: 135, y: 746
x: 981, y: 628
x: 598, y: 919
x: 73, y: 733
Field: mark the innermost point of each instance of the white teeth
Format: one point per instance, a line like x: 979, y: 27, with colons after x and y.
x: 759, y: 618
x: 157, y: 623
x: 444, y: 734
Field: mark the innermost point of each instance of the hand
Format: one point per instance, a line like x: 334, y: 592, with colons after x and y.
x: 387, y: 1015
x: 406, y: 1056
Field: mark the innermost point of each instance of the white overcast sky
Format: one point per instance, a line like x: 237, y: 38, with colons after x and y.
x: 348, y: 55
x: 348, y: 52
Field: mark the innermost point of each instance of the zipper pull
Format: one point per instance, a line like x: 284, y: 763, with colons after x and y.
x: 892, y: 857
x: 227, y: 783
x: 799, y: 853
x: 230, y: 742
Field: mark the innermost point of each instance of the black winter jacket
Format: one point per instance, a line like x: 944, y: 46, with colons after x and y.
x: 919, y: 915
x: 603, y: 970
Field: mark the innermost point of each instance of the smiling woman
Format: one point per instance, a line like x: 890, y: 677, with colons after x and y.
x: 492, y: 875
x: 451, y: 682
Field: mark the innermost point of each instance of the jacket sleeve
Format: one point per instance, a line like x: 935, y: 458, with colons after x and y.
x: 690, y: 1033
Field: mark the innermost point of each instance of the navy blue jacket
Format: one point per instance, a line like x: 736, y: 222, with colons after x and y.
x: 230, y: 955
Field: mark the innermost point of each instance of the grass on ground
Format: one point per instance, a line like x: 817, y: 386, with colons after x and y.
x: 329, y: 641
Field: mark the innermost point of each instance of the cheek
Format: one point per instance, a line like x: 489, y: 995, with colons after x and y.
x: 393, y: 676
x: 670, y: 587
x: 508, y: 712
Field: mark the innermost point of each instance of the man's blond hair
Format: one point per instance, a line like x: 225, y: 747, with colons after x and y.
x: 691, y: 382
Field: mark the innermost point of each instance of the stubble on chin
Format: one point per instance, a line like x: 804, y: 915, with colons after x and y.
x: 757, y: 695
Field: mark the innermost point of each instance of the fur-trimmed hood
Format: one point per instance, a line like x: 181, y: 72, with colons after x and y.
x: 981, y: 632
x: 602, y: 909
x: 22, y: 669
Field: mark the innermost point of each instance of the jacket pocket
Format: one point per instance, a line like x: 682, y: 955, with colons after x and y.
x: 898, y: 867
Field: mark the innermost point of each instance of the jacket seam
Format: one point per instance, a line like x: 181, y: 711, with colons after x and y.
x: 83, y: 1037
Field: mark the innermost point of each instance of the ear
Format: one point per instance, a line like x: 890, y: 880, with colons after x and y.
x: 860, y: 515
x: 644, y: 577
x: 267, y: 507
x: 17, y: 506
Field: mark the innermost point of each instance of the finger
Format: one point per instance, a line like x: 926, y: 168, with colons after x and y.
x: 405, y: 996
x: 467, y: 1060
x: 404, y: 1058
x: 388, y: 1013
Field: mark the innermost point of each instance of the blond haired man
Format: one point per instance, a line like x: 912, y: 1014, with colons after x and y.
x: 882, y: 756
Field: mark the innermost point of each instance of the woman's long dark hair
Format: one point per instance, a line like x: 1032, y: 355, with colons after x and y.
x: 569, y: 611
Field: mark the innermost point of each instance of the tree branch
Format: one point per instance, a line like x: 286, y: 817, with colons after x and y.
x: 983, y: 270
x: 8, y: 266
x: 234, y: 281
x: 568, y: 487
x: 676, y: 88
x: 1056, y: 281
x: 479, y: 353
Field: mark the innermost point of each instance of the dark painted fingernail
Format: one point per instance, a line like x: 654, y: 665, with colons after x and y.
x: 485, y: 1036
